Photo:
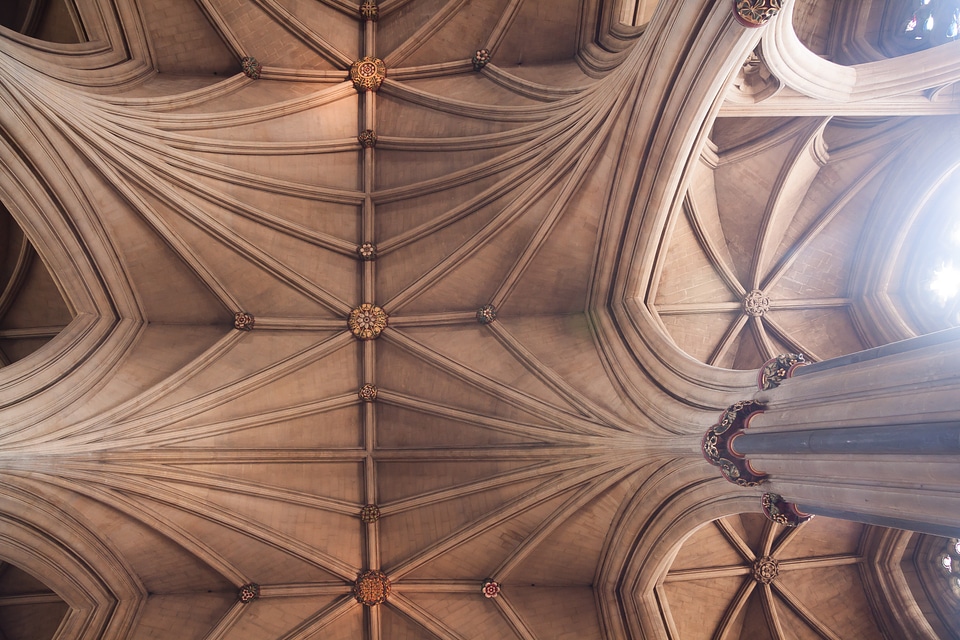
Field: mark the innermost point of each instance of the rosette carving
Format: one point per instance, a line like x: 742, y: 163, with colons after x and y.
x: 251, y: 67
x: 367, y: 321
x: 765, y: 570
x: 480, y: 59
x: 370, y: 513
x: 491, y: 589
x: 756, y: 304
x: 367, y: 138
x: 775, y: 371
x: 249, y: 592
x: 368, y: 73
x: 756, y: 13
x: 243, y: 321
x: 367, y: 251
x: 486, y: 314
x: 370, y: 11
x: 371, y: 588
x: 782, y: 512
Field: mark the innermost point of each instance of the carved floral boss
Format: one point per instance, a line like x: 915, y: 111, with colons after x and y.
x: 756, y: 13
x: 782, y: 512
x: 371, y: 588
x: 367, y: 321
x: 368, y: 73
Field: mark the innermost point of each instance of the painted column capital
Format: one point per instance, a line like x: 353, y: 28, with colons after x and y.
x: 717, y: 449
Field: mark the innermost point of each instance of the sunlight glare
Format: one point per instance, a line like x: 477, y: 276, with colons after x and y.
x: 955, y: 235
x: 946, y: 282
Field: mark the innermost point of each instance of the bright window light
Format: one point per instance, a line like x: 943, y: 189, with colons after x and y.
x: 955, y: 235
x: 946, y: 282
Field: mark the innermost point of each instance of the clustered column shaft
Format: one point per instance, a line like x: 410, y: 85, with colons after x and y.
x: 871, y: 437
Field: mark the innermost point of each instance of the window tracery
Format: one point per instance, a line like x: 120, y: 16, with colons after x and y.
x: 637, y: 13
x: 931, y: 280
x: 944, y: 279
x: 949, y: 562
x: 929, y: 23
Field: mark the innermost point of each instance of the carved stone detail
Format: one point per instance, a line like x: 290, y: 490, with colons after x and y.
x: 367, y: 138
x: 755, y: 82
x: 486, y: 314
x: 718, y: 452
x: 368, y: 393
x: 756, y: 13
x: 480, y: 59
x: 756, y: 303
x: 367, y: 251
x: 370, y: 513
x: 368, y: 73
x: 752, y: 65
x: 371, y: 588
x: 491, y: 589
x: 782, y: 512
x: 367, y: 321
x: 370, y: 11
x: 243, y: 321
x: 765, y: 570
x: 778, y: 369
x: 249, y: 592
x: 251, y: 68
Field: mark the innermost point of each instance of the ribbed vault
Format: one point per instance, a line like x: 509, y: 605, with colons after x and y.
x: 789, y: 234
x: 32, y: 311
x: 29, y: 609
x: 748, y: 578
x: 158, y: 456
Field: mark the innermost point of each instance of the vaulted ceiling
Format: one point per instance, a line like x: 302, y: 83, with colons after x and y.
x: 614, y: 193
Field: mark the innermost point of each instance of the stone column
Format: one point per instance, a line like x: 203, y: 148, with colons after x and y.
x: 872, y: 437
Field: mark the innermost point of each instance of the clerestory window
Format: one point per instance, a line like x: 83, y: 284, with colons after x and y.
x: 950, y: 564
x: 928, y: 23
x: 637, y: 13
x: 944, y: 279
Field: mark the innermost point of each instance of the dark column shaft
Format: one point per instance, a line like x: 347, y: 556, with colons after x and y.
x: 872, y: 437
x: 926, y: 439
x: 945, y: 530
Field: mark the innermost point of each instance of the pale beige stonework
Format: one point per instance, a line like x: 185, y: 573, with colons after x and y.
x: 614, y: 191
